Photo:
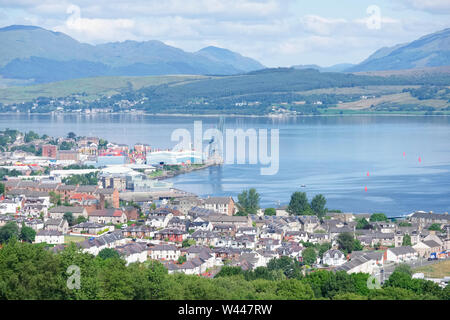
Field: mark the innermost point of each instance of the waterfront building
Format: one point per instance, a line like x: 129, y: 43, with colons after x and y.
x: 174, y: 157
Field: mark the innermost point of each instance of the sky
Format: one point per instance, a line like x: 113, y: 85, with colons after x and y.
x: 278, y: 33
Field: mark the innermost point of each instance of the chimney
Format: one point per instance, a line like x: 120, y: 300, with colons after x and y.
x: 101, y: 203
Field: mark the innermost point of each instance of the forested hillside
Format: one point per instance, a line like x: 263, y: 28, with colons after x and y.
x: 30, y: 271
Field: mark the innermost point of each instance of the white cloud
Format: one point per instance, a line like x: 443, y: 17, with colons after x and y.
x: 96, y: 29
x: 272, y: 31
x: 432, y: 6
x: 321, y: 25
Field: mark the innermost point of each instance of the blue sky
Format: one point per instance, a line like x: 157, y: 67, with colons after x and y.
x: 275, y: 32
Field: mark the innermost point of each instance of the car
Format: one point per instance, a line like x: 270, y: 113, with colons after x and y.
x: 432, y: 259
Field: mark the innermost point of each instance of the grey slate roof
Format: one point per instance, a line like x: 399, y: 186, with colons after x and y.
x: 402, y: 250
x: 218, y: 200
x: 48, y: 233
x: 431, y: 243
x: 431, y: 216
x: 64, y: 209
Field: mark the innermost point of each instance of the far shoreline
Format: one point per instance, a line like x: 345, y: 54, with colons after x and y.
x: 231, y: 115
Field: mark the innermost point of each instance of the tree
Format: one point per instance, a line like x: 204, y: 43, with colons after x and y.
x: 324, y: 247
x: 248, y: 202
x: 71, y: 135
x: 30, y: 136
x: 406, y: 240
x: 8, y: 231
x: 182, y: 259
x: 227, y: 271
x: 102, y: 144
x: 404, y: 268
x: 55, y: 198
x: 2, y: 188
x: 66, y: 145
x: 402, y: 279
x: 299, y: 204
x: 290, y: 268
x: 318, y: 205
x: 357, y: 246
x: 347, y: 243
x: 293, y: 289
x: 108, y: 253
x: 378, y: 217
x: 187, y: 243
x: 81, y: 219
x: 392, y: 293
x: 68, y: 216
x: 27, y: 234
x: 435, y: 227
x: 309, y: 256
x: 270, y: 212
x: 362, y: 223
x: 29, y: 272
x: 349, y: 296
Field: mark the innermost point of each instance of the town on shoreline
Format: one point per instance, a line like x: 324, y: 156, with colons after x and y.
x: 105, y: 196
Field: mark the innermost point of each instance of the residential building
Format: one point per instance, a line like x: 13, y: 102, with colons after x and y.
x: 49, y: 236
x: 333, y: 258
x: 222, y: 205
x: 108, y: 216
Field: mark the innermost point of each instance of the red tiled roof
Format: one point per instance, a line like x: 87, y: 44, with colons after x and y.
x: 82, y: 196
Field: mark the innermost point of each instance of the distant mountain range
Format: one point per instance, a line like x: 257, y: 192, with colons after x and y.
x: 30, y: 52
x: 432, y: 50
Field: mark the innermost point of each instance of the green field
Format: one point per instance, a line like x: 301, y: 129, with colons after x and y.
x: 397, y: 98
x: 93, y: 87
x: 438, y: 270
x: 69, y: 239
x: 360, y: 90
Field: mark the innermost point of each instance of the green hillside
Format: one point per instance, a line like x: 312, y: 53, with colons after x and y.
x: 282, y: 90
x: 91, y: 88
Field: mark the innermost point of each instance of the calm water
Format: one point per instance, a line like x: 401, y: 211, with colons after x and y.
x: 330, y: 155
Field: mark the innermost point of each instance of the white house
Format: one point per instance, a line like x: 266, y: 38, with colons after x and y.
x: 49, y: 236
x: 9, y: 206
x: 164, y: 252
x: 158, y: 222
x: 334, y: 258
x: 401, y: 254
x: 361, y: 261
x: 205, y: 254
x: 133, y: 252
x: 108, y: 240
